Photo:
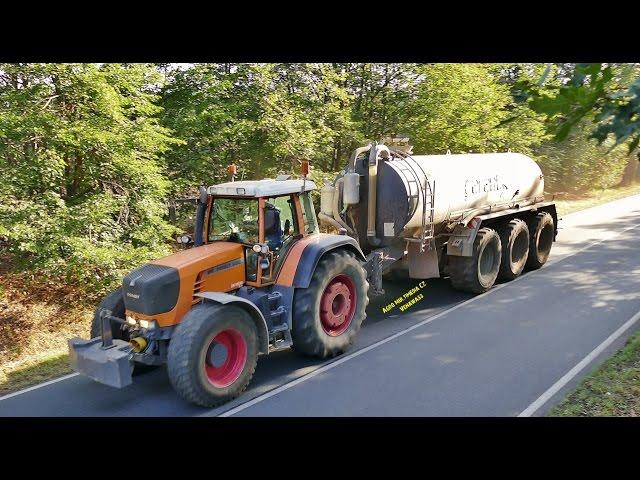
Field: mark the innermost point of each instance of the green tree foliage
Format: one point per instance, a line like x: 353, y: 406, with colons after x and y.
x: 463, y: 107
x: 90, y: 153
x: 578, y: 163
x: 82, y: 192
x: 261, y: 117
x: 607, y: 93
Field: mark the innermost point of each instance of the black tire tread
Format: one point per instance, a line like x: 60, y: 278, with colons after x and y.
x: 508, y: 230
x: 305, y: 306
x: 463, y: 271
x: 180, y: 362
x: 534, y: 224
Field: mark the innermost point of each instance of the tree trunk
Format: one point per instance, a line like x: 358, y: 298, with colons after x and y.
x: 631, y: 171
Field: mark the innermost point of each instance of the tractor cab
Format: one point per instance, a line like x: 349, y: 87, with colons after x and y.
x: 261, y: 278
x: 266, y: 217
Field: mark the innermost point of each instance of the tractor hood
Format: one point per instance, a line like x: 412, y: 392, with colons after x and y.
x: 159, y: 286
x: 204, y: 255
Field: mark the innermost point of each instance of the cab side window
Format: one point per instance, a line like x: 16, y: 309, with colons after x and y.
x: 308, y: 214
x: 288, y: 217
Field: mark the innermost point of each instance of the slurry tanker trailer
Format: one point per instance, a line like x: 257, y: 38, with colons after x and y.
x: 476, y: 217
x: 260, y: 277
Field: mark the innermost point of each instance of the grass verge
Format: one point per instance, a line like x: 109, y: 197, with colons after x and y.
x: 36, y: 320
x: 613, y: 389
x: 34, y: 371
x: 591, y: 199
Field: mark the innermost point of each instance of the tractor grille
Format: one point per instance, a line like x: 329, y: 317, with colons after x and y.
x: 151, y: 289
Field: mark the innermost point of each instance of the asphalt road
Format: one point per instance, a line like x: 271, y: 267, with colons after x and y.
x: 451, y: 354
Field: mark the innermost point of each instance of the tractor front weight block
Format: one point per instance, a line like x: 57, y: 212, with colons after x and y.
x: 110, y: 365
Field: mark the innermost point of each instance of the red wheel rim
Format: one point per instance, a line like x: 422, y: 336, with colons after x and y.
x: 338, y: 305
x: 225, y: 358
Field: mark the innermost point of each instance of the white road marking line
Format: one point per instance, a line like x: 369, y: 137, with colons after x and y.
x: 567, y: 377
x: 328, y: 366
x: 40, y: 385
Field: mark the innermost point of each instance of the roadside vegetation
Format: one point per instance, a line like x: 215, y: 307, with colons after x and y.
x: 613, y: 389
x: 90, y: 155
x: 595, y: 197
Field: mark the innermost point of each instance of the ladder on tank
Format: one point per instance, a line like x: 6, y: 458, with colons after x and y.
x: 427, y: 231
x: 428, y: 228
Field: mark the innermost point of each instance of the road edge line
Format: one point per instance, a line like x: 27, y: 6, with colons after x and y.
x: 39, y: 385
x: 328, y: 366
x: 571, y: 374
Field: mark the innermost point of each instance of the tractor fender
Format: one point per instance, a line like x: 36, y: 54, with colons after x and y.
x: 315, y: 250
x: 253, y: 311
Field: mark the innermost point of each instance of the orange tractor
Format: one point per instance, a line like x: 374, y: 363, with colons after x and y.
x: 259, y: 278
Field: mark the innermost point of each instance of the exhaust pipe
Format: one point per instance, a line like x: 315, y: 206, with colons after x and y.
x: 377, y: 152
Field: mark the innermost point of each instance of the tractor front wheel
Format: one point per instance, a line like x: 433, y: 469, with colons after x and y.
x: 328, y: 314
x: 213, y: 354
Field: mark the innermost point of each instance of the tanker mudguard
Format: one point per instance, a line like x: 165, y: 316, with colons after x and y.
x: 314, y: 251
x: 250, y: 308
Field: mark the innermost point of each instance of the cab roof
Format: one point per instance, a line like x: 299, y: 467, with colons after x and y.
x: 261, y: 188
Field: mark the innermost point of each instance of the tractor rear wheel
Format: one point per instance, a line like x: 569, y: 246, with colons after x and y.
x: 515, y: 248
x: 477, y: 273
x: 328, y: 314
x: 212, y: 354
x: 541, y: 232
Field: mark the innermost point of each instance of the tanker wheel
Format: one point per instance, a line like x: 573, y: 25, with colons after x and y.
x: 477, y: 273
x: 541, y: 232
x: 115, y: 303
x: 328, y: 314
x: 514, y: 237
x: 212, y: 354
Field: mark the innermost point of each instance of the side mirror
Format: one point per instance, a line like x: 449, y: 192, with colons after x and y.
x: 204, y: 196
x: 264, y: 263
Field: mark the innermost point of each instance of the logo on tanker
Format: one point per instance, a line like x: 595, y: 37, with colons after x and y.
x: 477, y: 186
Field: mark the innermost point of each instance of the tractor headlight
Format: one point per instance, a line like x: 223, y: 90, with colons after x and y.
x: 148, y: 324
x: 131, y: 320
x: 258, y: 248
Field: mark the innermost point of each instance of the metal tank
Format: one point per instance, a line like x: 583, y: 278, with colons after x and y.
x: 413, y: 193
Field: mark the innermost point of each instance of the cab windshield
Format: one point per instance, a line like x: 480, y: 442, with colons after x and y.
x: 234, y: 220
